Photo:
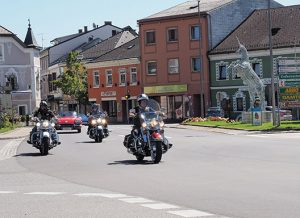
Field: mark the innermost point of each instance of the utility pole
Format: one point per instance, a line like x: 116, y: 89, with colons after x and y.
x: 201, y: 74
x: 271, y: 63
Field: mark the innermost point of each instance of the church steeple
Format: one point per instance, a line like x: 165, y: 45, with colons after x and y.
x: 30, y: 39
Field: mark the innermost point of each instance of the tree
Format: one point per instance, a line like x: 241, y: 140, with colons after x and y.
x: 73, y: 82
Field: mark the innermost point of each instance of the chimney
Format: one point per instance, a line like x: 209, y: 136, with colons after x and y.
x: 107, y: 23
x: 80, y: 31
x: 85, y: 29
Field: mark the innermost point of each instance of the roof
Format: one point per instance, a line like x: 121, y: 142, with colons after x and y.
x: 254, y: 35
x: 128, y: 50
x: 30, y: 40
x: 107, y: 45
x: 4, y: 31
x: 188, y: 8
x: 65, y: 38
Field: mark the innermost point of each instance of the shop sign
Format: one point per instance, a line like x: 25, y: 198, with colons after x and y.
x: 108, y: 94
x: 165, y: 89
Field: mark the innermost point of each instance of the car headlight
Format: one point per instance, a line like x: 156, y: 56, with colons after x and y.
x: 45, y: 123
x: 153, y: 123
x: 144, y: 125
x: 94, y: 122
x: 161, y: 124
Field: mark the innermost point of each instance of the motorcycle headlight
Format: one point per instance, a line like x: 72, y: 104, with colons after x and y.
x: 99, y: 121
x: 38, y: 124
x: 144, y: 125
x: 94, y: 122
x: 103, y: 121
x: 53, y: 125
x: 161, y: 124
x: 153, y: 123
x: 45, y: 123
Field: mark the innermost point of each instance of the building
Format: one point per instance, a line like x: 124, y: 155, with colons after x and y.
x: 172, y: 42
x: 19, y: 72
x: 57, y: 56
x: 114, y: 80
x: 253, y: 34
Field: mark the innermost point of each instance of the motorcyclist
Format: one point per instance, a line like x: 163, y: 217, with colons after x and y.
x: 43, y: 113
x: 95, y: 112
x: 143, y: 101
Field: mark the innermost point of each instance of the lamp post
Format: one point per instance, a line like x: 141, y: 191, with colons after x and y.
x: 200, y: 63
x: 271, y: 63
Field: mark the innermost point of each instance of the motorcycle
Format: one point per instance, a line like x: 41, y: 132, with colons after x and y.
x: 43, y: 139
x: 149, y: 140
x: 98, y: 128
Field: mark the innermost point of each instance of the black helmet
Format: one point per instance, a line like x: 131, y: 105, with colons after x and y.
x: 142, y: 97
x: 43, y: 104
x: 94, y: 107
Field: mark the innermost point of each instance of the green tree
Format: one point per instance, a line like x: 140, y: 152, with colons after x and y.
x: 73, y: 82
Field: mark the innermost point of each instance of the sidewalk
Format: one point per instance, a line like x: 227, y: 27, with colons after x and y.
x: 21, y: 132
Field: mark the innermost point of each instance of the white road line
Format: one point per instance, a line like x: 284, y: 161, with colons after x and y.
x: 114, y: 195
x: 258, y: 136
x: 190, y: 213
x: 121, y: 135
x: 44, y: 193
x: 10, y: 149
x: 136, y: 200
x: 168, y: 137
x: 7, y: 192
x: 105, y: 195
x: 160, y: 206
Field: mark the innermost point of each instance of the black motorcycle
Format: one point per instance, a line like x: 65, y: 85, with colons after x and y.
x: 46, y: 137
x: 149, y: 140
x: 98, y: 128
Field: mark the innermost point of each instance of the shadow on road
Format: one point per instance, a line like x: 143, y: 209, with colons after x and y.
x: 131, y: 162
x: 30, y: 155
x: 64, y: 132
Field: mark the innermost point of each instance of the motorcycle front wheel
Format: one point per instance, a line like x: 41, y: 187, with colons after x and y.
x: 139, y: 157
x: 156, y: 152
x: 45, y: 146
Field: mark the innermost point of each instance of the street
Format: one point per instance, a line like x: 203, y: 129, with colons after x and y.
x: 205, y: 174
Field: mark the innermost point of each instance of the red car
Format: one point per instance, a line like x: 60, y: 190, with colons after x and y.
x: 68, y: 120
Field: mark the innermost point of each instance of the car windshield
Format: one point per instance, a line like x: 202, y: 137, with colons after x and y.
x: 68, y: 114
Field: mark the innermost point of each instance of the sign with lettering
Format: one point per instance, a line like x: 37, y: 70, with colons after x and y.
x: 108, y: 94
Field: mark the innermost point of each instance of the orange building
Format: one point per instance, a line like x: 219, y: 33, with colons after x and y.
x: 171, y: 66
x: 112, y: 77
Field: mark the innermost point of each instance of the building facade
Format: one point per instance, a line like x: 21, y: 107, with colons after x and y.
x: 19, y: 72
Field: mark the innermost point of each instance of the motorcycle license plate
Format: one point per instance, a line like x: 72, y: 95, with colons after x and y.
x: 46, y: 134
x: 67, y: 128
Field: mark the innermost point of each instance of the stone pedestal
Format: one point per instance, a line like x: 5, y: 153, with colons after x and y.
x: 266, y: 117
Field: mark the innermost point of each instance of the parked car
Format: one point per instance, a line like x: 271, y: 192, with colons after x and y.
x: 84, y: 118
x: 284, y: 114
x: 215, y: 112
x: 68, y: 120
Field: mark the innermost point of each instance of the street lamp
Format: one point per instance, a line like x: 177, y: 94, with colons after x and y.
x: 200, y: 62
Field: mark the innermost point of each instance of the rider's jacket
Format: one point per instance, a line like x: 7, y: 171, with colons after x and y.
x: 44, y: 114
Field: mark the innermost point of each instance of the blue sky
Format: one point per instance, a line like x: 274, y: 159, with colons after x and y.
x: 51, y: 19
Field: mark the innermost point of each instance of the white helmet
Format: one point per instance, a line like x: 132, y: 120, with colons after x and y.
x: 142, y: 97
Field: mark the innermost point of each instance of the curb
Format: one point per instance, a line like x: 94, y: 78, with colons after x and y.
x: 17, y: 137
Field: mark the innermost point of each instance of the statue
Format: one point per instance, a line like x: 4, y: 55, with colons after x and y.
x: 255, y: 86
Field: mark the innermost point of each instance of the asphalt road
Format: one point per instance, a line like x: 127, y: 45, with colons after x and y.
x: 232, y: 175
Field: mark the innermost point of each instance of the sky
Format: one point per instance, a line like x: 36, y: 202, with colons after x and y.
x: 54, y: 18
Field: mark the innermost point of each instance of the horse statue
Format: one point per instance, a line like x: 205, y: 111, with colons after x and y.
x: 255, y: 86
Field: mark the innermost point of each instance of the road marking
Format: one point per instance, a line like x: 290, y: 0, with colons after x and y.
x: 44, y: 193
x: 136, y: 200
x: 10, y: 149
x: 168, y: 137
x: 160, y: 206
x: 121, y: 135
x: 105, y: 195
x: 114, y: 195
x: 190, y: 213
x: 7, y: 192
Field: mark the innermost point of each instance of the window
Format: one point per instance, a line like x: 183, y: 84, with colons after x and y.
x: 54, y: 87
x: 222, y: 73
x: 133, y: 75
x: 196, y: 65
x: 1, y: 52
x: 256, y: 68
x: 195, y: 32
x: 122, y: 77
x: 173, y: 66
x: 151, y: 67
x: 22, y: 110
x: 113, y: 32
x: 172, y: 35
x: 150, y: 37
x: 50, y: 82
x: 239, y: 104
x: 96, y: 79
x: 109, y: 78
